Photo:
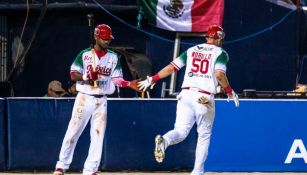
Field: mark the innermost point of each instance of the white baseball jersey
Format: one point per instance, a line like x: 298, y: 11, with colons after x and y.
x: 89, y: 107
x: 201, y: 61
x: 108, y: 66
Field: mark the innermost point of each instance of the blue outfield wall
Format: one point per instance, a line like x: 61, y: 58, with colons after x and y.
x: 261, y: 135
x: 132, y: 127
x: 2, y: 134
x: 258, y: 136
x: 36, y: 128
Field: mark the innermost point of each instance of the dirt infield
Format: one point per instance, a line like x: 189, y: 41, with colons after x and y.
x: 161, y: 173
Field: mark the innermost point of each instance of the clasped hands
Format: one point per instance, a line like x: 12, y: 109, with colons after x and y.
x: 145, y: 84
x: 137, y: 85
x: 141, y: 86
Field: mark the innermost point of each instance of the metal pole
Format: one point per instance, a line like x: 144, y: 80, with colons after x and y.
x: 5, y: 48
x: 172, y: 86
x: 2, y: 47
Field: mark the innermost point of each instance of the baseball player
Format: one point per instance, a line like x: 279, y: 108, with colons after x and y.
x: 96, y: 71
x: 205, y: 69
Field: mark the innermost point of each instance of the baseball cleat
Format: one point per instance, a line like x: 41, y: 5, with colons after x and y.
x: 159, y: 149
x: 58, y: 171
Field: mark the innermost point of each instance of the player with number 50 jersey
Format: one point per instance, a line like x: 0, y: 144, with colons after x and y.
x: 205, y: 69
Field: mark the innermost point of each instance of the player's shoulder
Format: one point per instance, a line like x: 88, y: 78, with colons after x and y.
x: 114, y: 55
x: 85, y: 50
x: 112, y: 52
x: 220, y: 50
x: 224, y: 52
x: 81, y: 53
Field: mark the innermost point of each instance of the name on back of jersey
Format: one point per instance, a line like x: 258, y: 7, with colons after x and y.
x: 201, y: 55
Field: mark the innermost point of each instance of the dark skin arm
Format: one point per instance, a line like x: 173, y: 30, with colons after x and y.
x: 76, y: 76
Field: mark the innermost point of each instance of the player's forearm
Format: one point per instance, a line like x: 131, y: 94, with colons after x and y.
x: 119, y: 81
x: 223, y: 81
x: 76, y: 76
x: 166, y: 71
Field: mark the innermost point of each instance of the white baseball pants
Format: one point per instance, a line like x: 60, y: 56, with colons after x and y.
x: 86, y: 107
x: 188, y: 112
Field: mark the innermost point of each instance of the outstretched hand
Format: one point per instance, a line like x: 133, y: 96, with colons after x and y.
x: 145, y: 84
x: 133, y: 85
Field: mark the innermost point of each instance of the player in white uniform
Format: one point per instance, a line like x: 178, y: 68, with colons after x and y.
x: 205, y: 69
x: 96, y: 71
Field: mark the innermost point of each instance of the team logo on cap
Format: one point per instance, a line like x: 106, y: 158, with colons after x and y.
x: 97, y: 31
x: 221, y: 34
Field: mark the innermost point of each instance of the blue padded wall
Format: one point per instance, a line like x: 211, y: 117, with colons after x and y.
x: 257, y: 136
x: 2, y: 134
x: 132, y: 127
x: 36, y: 128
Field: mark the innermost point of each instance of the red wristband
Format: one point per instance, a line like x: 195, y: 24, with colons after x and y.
x: 155, y: 78
x: 124, y: 83
x: 228, y: 90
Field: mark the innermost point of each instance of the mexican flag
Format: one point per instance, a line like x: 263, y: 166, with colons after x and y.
x: 183, y: 15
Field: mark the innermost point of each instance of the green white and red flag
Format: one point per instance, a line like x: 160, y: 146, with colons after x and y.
x: 183, y: 15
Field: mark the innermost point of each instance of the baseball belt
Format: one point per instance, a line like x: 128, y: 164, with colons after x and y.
x: 91, y: 82
x: 95, y: 95
x: 197, y: 90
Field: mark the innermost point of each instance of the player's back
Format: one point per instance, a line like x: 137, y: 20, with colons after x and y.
x: 200, y: 66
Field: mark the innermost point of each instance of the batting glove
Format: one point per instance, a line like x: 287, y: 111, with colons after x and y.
x: 235, y: 98
x: 145, y: 84
x: 133, y: 85
x: 203, y: 100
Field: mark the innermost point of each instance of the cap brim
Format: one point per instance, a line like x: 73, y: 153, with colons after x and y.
x: 111, y: 37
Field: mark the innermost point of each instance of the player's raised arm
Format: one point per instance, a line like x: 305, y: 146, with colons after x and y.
x: 151, y: 81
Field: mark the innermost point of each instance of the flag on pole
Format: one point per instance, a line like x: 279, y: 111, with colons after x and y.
x: 183, y: 15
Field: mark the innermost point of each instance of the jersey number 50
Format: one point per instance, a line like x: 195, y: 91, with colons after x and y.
x: 200, y: 65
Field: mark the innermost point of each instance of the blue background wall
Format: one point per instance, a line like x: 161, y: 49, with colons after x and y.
x: 36, y: 128
x: 266, y: 59
x: 257, y: 136
x: 132, y: 127
x: 2, y: 134
x: 263, y: 41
